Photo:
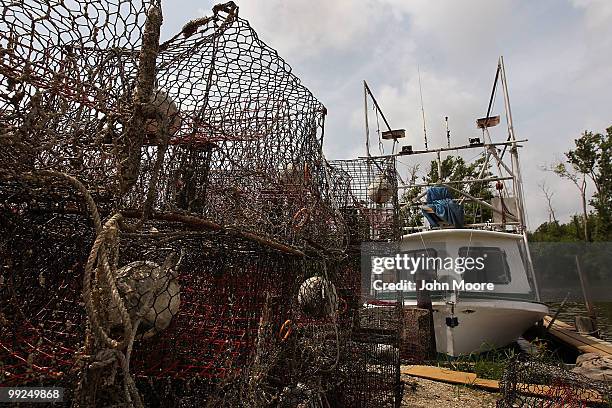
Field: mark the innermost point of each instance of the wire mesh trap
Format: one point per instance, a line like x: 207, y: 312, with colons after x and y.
x: 416, y: 345
x: 373, y: 351
x: 212, y: 309
x: 230, y: 134
x: 531, y: 382
x: 170, y: 232
x: 372, y: 211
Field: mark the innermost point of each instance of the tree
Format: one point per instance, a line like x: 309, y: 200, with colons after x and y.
x: 602, y: 178
x: 591, y: 159
x: 590, y: 162
x: 548, y: 194
x: 578, y: 178
x: 454, y: 168
x: 410, y: 213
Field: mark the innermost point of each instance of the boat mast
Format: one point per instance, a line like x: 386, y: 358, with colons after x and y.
x: 518, y: 182
x: 516, y: 169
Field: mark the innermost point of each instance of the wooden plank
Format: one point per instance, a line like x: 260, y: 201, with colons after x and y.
x: 440, y: 374
x: 459, y: 377
x: 491, y: 385
x: 581, y: 342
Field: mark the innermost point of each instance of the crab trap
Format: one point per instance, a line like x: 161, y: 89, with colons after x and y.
x: 170, y: 232
x: 533, y: 381
x: 372, y: 210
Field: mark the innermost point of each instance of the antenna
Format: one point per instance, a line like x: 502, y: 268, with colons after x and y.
x: 447, y: 131
x: 422, y: 107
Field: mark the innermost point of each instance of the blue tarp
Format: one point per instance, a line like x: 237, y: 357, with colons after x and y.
x: 440, y: 200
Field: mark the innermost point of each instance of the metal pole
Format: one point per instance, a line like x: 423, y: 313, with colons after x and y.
x: 530, y: 266
x: 479, y: 201
x: 584, y: 284
x: 422, y: 108
x: 447, y: 149
x: 481, y: 180
x: 517, y: 184
x: 447, y: 132
x: 365, y: 109
x: 382, y: 115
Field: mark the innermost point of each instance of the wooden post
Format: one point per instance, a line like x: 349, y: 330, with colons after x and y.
x: 424, y: 302
x: 129, y: 145
x: 584, y: 283
x: 584, y: 325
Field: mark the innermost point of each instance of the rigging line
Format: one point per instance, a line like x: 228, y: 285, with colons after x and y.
x: 492, y: 100
x: 381, y: 148
x: 491, y: 108
x: 468, y: 161
x: 422, y: 107
x: 398, y: 160
x: 494, y: 90
x: 369, y: 91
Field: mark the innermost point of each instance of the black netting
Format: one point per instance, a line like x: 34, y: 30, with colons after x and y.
x: 170, y: 232
x: 372, y: 211
x: 531, y: 381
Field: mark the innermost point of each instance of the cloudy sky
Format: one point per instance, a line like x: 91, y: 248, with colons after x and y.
x: 557, y: 54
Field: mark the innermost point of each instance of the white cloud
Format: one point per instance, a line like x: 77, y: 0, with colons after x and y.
x: 557, y: 57
x: 304, y: 29
x: 598, y: 13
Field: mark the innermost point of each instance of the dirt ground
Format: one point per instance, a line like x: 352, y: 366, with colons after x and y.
x: 422, y: 393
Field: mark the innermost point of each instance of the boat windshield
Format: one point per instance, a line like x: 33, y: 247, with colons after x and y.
x: 496, y: 269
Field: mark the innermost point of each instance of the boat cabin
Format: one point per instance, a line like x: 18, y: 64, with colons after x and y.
x: 460, y: 260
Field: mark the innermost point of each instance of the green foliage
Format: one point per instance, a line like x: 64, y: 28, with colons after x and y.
x: 558, y: 232
x: 590, y: 159
x: 602, y: 199
x: 488, y: 364
x: 454, y: 168
x: 585, y: 156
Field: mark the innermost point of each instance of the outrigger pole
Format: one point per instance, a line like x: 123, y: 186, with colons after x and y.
x: 390, y: 133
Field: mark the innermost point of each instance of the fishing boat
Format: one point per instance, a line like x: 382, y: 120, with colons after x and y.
x: 467, y: 321
x: 479, y: 308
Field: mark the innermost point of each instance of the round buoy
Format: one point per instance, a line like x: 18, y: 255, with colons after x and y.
x: 151, y: 292
x: 317, y: 297
x: 295, y: 174
x: 380, y: 190
x: 166, y: 108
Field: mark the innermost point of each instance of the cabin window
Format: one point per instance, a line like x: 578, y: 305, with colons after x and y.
x: 496, y: 269
x: 427, y: 268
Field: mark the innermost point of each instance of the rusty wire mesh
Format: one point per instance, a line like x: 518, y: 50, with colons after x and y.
x: 203, y: 323
x: 373, y: 350
x: 372, y: 211
x: 213, y: 123
x: 199, y: 255
x: 531, y: 381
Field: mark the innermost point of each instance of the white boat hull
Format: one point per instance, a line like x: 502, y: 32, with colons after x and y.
x: 484, y: 324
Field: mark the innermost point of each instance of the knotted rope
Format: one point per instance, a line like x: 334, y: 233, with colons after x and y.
x: 101, y: 267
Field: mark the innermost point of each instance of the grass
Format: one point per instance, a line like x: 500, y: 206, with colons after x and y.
x: 490, y: 363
